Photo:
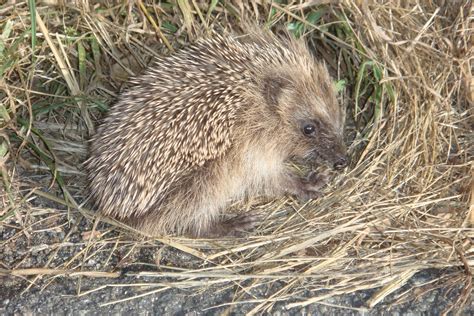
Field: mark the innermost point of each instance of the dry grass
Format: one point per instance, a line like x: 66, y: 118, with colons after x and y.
x: 405, y: 205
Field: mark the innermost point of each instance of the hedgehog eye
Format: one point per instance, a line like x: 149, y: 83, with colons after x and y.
x: 309, y: 129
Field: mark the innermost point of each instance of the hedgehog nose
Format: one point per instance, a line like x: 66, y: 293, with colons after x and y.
x: 340, y: 163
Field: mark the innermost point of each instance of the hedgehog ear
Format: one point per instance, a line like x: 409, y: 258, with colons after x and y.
x: 273, y: 88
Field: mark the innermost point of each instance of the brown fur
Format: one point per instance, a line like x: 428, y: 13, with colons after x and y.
x: 214, y: 123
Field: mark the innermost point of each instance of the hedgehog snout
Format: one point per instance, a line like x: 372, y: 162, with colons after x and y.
x: 338, y: 156
x: 331, y: 154
x: 341, y: 163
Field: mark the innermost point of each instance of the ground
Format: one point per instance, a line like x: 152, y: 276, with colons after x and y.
x: 60, y: 297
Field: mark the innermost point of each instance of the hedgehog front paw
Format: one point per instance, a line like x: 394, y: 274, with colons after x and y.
x: 315, y: 181
x: 303, y: 194
x: 309, y: 187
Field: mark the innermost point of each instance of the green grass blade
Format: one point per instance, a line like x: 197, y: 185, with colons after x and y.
x: 32, y: 7
x: 7, y: 29
x: 81, y: 51
x: 360, y: 76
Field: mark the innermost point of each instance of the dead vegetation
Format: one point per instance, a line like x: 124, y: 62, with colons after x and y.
x: 404, y: 69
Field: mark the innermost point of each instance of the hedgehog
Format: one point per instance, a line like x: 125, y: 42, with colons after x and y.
x: 219, y: 121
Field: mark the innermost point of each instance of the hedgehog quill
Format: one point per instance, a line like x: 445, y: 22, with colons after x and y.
x: 214, y: 123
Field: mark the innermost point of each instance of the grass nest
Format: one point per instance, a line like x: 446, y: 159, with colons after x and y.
x: 404, y: 72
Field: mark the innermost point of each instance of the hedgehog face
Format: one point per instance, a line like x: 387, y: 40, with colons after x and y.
x: 319, y: 143
x: 311, y: 121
